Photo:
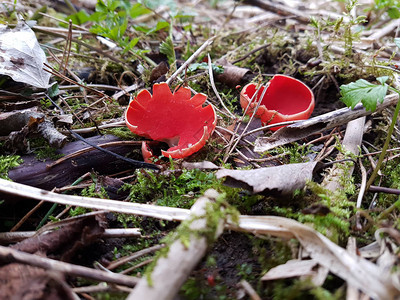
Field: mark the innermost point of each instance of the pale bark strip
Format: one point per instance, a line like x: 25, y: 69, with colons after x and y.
x: 160, y: 212
x: 172, y: 271
x: 14, y: 237
x: 352, y: 143
x: 10, y: 255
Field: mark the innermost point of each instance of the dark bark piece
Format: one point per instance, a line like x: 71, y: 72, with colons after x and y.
x: 18, y: 281
x: 12, y: 123
x: 35, y: 173
x: 63, y: 239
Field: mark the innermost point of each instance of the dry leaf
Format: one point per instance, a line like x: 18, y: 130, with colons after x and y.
x: 203, y: 165
x: 21, y: 56
x: 358, y: 272
x: 292, y: 268
x: 276, y: 181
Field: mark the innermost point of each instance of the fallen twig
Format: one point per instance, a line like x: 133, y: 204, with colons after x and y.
x: 10, y: 256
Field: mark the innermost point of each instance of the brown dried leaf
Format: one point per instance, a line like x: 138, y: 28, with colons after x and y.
x: 70, y: 235
x: 18, y: 281
x: 276, y: 181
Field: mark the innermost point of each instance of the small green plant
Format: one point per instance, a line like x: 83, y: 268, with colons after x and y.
x: 8, y: 162
x: 369, y: 94
x: 245, y: 271
x: 111, y: 20
x: 347, y: 30
x: 77, y: 211
x: 391, y: 7
x: 167, y: 48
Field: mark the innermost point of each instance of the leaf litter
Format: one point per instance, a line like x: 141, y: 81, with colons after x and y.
x: 319, y: 254
x: 22, y: 58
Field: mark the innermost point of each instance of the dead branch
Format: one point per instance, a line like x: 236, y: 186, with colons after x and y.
x: 171, y: 271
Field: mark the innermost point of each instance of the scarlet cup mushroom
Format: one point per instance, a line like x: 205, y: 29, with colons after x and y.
x: 175, y: 118
x: 286, y: 99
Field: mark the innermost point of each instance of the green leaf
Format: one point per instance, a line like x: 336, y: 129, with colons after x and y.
x: 204, y: 66
x: 138, y: 10
x: 53, y: 90
x: 382, y: 79
x: 365, y: 92
x: 393, y: 12
x: 79, y: 18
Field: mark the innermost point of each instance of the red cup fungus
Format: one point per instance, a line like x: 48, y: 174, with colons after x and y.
x: 175, y: 118
x: 286, y: 99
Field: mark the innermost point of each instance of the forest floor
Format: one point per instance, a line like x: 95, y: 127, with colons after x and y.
x: 233, y: 209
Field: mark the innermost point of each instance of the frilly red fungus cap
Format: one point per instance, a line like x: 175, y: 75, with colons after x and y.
x: 175, y: 118
x: 286, y: 99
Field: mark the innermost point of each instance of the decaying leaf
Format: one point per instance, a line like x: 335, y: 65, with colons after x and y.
x: 276, y: 181
x: 203, y: 165
x: 356, y: 271
x: 21, y: 56
x: 292, y: 268
x: 64, y: 238
x: 19, y: 281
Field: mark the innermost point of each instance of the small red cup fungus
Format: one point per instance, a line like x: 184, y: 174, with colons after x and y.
x: 286, y: 99
x: 175, y: 118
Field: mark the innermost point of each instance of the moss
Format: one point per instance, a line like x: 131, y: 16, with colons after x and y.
x: 175, y: 188
x: 216, y: 211
x: 8, y: 162
x: 122, y: 132
x: 94, y: 191
x: 43, y: 150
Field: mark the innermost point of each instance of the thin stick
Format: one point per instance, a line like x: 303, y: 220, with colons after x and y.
x: 210, y: 72
x: 249, y: 290
x: 270, y: 126
x: 363, y: 184
x: 14, y: 237
x: 250, y: 53
x: 88, y: 149
x: 124, y: 260
x: 190, y: 59
x: 10, y: 255
x: 135, y: 163
x: 90, y: 129
x: 79, y: 42
x: 248, y: 124
x: 139, y: 265
x: 240, y: 122
x: 22, y: 221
